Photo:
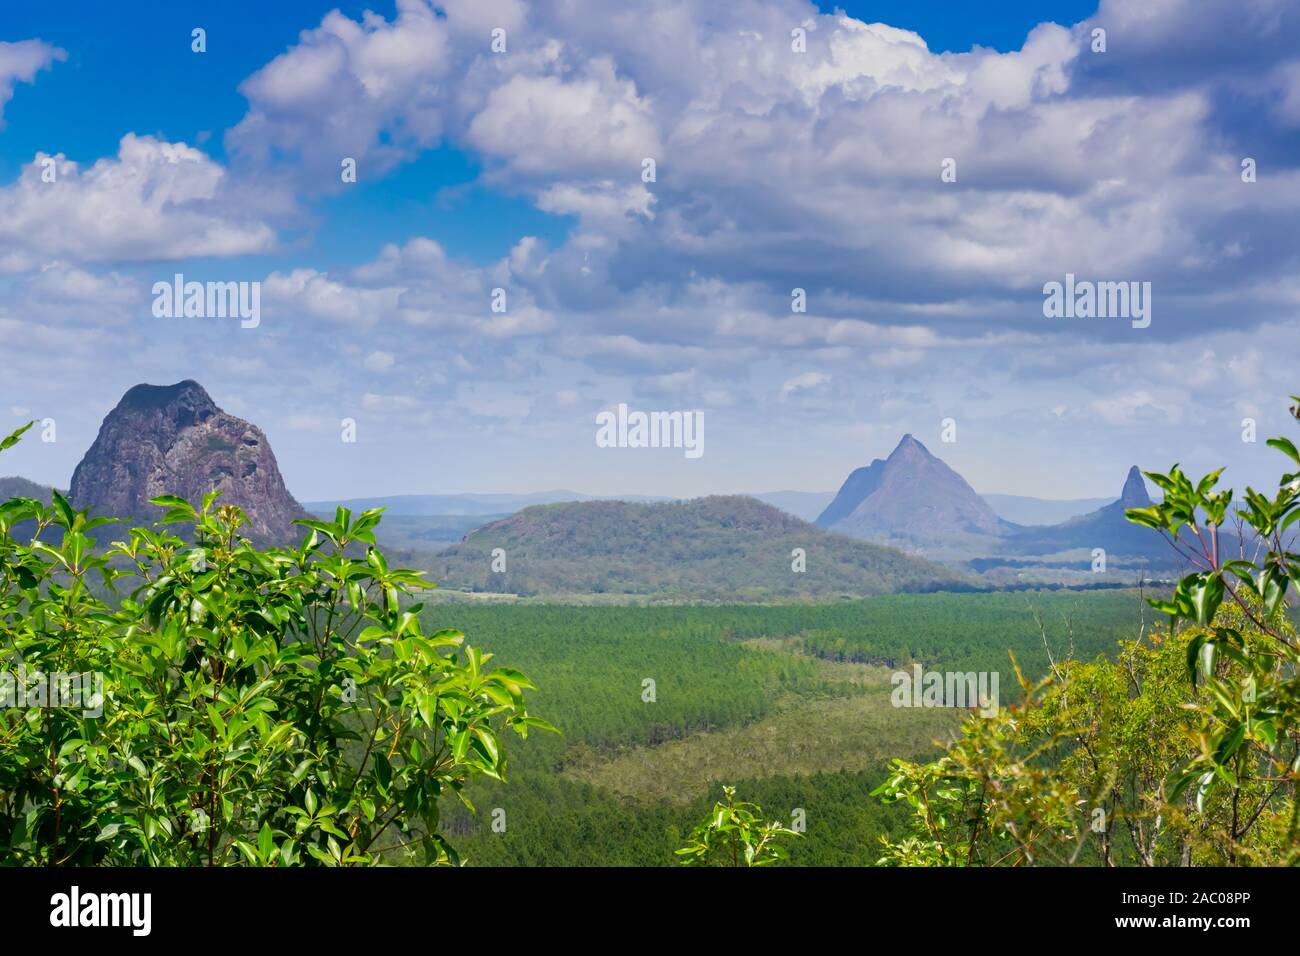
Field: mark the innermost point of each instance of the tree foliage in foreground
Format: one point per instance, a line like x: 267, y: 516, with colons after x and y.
x: 274, y: 707
x: 1184, y: 751
x: 735, y: 834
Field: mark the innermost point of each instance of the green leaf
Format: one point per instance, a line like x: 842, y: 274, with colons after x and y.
x: 1206, y: 594
x: 460, y: 745
x: 1286, y: 446
x: 265, y: 841
x: 1275, y: 582
x: 541, y: 725
x: 1230, y: 744
x: 171, y: 501
x: 65, y: 510
x: 15, y: 437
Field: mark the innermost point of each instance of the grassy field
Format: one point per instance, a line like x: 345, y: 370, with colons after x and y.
x: 855, y: 728
x: 788, y: 702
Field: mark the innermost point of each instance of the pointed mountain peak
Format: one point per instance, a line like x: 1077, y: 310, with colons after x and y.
x: 1134, y: 494
x: 908, y: 445
x: 911, y: 497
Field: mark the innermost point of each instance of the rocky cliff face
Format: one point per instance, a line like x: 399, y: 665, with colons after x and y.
x: 174, y: 440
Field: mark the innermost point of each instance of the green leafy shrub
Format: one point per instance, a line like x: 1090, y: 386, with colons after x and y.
x: 1183, y: 751
x: 1247, y: 732
x: 273, y: 707
x: 735, y: 834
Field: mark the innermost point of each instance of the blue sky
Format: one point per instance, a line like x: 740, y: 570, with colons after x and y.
x: 776, y: 169
x: 170, y: 92
x: 199, y: 98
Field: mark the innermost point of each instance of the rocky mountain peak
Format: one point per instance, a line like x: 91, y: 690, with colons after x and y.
x: 187, y: 400
x: 913, y: 499
x: 908, y: 448
x: 174, y: 440
x: 1134, y: 494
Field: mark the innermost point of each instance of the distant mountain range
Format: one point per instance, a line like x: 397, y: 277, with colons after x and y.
x: 1104, y: 528
x: 715, y: 548
x: 1018, y: 509
x: 1022, y: 510
x: 913, y: 500
x: 423, y: 533
x: 14, y: 487
x: 466, y: 504
x: 801, y: 504
x: 175, y: 440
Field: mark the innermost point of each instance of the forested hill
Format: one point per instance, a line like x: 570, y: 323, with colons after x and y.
x: 732, y: 548
x: 16, y: 487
